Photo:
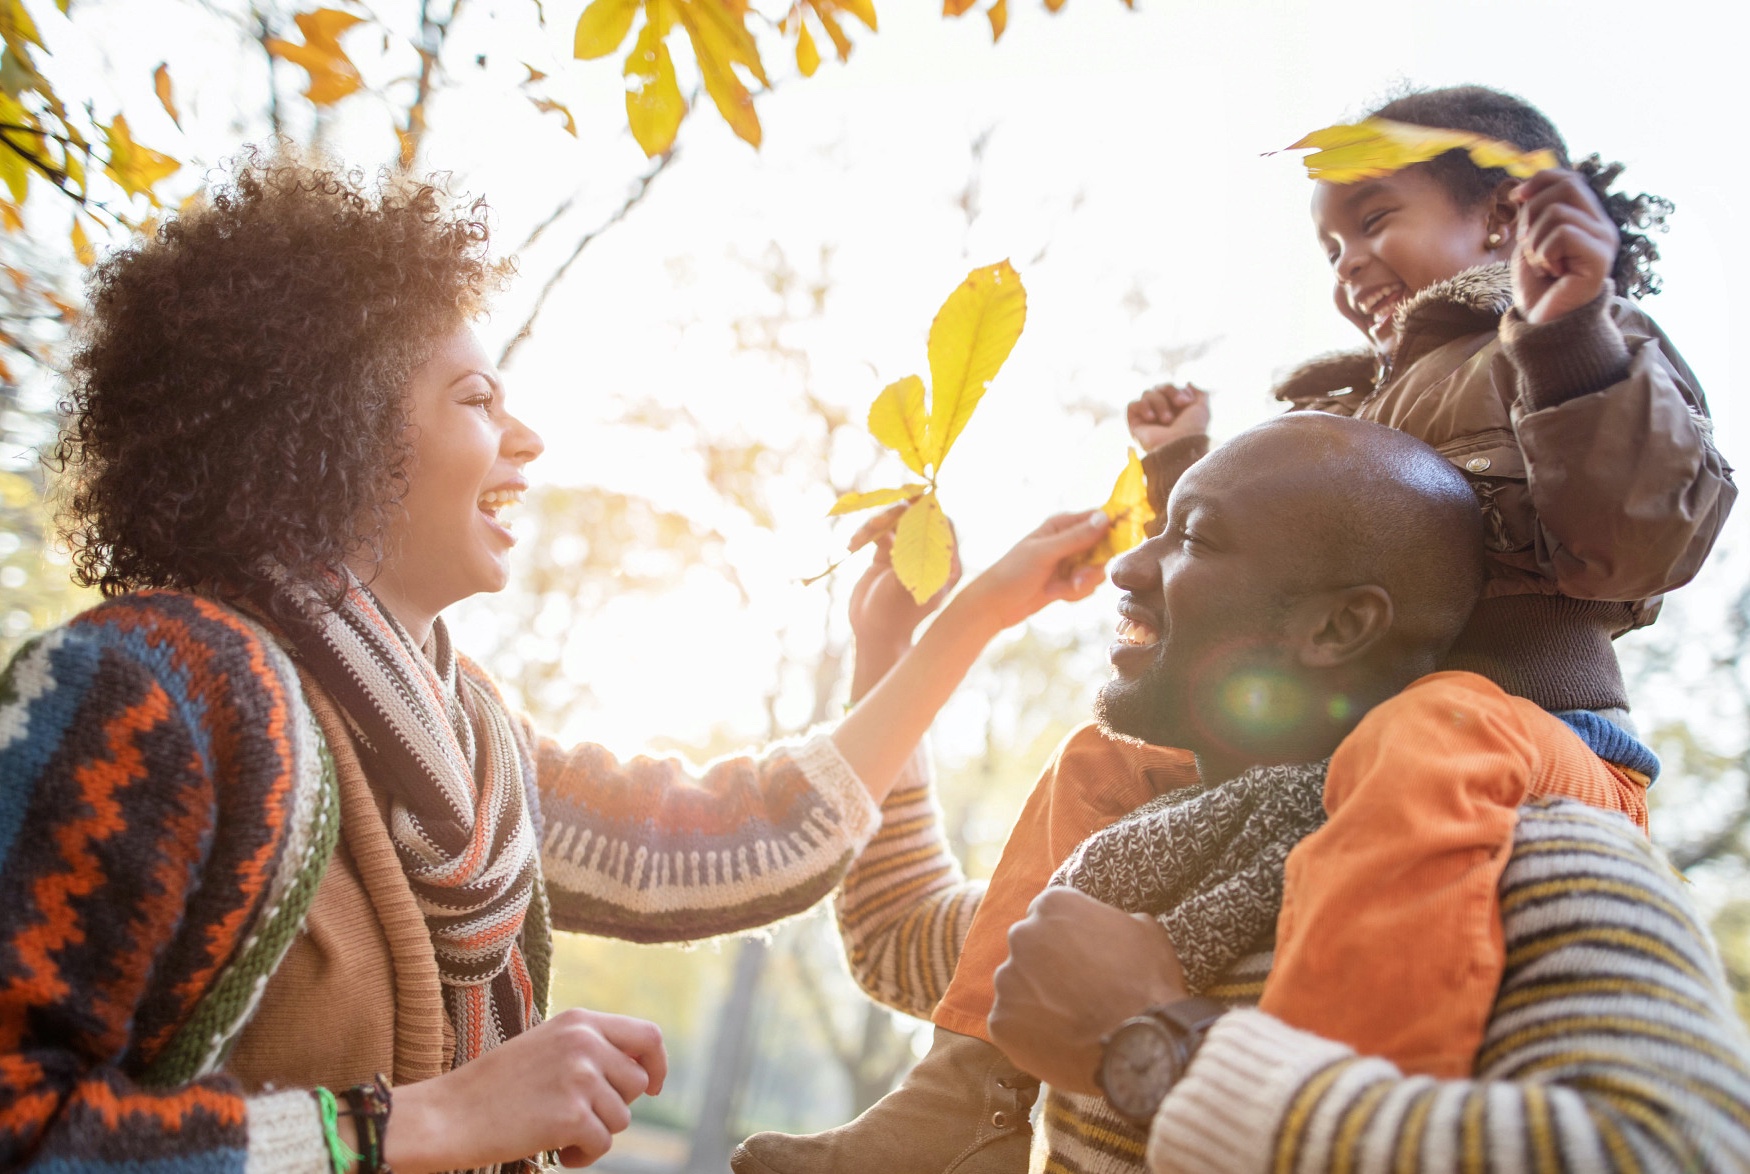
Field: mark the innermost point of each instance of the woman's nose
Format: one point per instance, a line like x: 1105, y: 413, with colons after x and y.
x: 523, y: 443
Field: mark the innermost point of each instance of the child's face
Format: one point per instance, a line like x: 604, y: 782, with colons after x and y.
x: 1390, y: 238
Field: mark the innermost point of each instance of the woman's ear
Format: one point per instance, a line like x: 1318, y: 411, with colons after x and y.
x: 1345, y: 626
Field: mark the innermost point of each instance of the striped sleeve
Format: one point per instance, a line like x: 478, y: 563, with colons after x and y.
x: 906, y: 905
x: 106, y: 817
x: 650, y: 850
x: 1613, y: 1044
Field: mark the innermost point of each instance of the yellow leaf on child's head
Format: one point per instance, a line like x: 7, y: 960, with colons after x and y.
x: 1130, y: 511
x: 970, y: 340
x: 1375, y: 147
x: 602, y: 28
x: 897, y: 420
x: 850, y: 503
x: 923, y: 548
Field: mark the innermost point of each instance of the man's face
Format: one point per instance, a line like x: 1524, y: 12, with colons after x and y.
x: 1202, y: 660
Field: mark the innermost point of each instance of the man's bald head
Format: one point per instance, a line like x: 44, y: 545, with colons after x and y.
x: 1308, y: 568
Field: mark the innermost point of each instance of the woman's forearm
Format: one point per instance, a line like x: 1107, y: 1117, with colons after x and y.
x: 879, y: 735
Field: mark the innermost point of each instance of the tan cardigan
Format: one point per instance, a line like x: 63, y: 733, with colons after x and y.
x: 358, y: 992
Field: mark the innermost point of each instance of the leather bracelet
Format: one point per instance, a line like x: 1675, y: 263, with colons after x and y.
x: 369, y: 1105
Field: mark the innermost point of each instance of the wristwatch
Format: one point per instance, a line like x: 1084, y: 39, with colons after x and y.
x: 1144, y: 1057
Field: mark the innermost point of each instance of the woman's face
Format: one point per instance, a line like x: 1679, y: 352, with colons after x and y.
x: 448, y: 539
x: 1390, y: 238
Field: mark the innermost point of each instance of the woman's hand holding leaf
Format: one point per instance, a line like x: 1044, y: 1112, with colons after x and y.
x: 1047, y: 565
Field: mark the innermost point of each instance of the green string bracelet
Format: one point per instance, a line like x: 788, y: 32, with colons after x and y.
x: 342, y: 1155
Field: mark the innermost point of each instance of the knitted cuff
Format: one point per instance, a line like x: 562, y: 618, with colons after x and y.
x: 285, y: 1135
x: 1223, y: 1116
x: 1163, y: 467
x: 859, y: 815
x: 1580, y: 352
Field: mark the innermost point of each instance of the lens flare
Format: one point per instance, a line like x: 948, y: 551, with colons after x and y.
x: 1263, y: 702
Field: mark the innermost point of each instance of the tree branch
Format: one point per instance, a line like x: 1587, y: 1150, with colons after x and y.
x: 640, y: 188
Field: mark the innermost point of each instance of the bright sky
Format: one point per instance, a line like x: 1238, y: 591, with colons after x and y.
x: 1123, y: 176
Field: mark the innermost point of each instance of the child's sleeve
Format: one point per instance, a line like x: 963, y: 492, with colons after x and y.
x: 1389, y: 939
x: 1629, y: 490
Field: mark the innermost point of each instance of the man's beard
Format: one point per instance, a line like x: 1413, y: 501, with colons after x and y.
x: 1147, y: 708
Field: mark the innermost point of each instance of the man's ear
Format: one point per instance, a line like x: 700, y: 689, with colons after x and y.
x: 1344, y: 625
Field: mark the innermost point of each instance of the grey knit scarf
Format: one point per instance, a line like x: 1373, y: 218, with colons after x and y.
x: 1207, y: 861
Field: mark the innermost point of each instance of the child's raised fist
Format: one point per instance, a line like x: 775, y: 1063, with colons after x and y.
x: 1167, y: 413
x: 1566, y: 248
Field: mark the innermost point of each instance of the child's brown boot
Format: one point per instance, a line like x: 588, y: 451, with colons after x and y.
x: 962, y: 1110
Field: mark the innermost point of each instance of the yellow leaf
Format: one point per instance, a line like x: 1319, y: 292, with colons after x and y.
x: 863, y: 10
x: 807, y: 56
x: 82, y: 244
x: 720, y: 42
x: 841, y: 44
x: 9, y: 215
x: 999, y: 19
x: 16, y: 24
x: 332, y: 74
x: 1053, y: 5
x: 547, y: 105
x: 654, y: 106
x: 957, y: 7
x: 1350, y: 152
x: 137, y: 169
x: 850, y: 503
x: 897, y: 419
x: 923, y: 548
x: 74, y: 166
x: 161, y: 87
x: 970, y: 339
x: 602, y: 28
x: 1130, y: 511
x: 14, y: 172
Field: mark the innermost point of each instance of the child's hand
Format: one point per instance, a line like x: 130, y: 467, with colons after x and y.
x: 1040, y: 568
x: 1566, y: 248
x: 883, y: 612
x: 1167, y: 413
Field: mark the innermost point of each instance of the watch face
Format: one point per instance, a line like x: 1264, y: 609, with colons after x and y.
x: 1137, y: 1070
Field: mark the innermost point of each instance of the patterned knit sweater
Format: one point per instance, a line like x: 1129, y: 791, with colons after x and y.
x: 1613, y: 1044
x: 166, y: 809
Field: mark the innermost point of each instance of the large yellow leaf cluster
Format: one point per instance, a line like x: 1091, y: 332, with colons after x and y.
x: 1373, y: 147
x: 970, y: 339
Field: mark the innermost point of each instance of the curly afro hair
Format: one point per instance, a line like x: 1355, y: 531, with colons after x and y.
x: 236, y: 398
x: 1514, y: 120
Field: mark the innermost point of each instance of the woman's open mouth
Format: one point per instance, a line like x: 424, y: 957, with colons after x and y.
x: 493, y: 504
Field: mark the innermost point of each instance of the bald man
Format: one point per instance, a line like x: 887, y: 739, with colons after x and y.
x: 1309, y: 520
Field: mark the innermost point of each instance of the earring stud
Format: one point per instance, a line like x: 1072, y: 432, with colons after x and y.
x: 1494, y: 240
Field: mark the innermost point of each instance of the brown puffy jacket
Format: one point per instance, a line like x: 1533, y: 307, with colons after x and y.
x: 1589, y: 445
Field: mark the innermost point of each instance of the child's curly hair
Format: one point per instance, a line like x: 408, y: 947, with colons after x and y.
x: 236, y: 395
x: 1514, y: 120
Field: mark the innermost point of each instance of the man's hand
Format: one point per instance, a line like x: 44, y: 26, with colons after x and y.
x: 1567, y: 246
x: 1077, y: 968
x: 883, y: 613
x: 1167, y: 413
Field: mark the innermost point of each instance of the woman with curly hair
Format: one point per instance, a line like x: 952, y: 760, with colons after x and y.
x: 269, y: 846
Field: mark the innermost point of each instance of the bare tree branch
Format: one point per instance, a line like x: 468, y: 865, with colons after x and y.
x: 640, y: 188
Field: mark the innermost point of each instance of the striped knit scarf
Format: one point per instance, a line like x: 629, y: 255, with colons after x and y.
x: 1207, y: 861
x: 441, y: 744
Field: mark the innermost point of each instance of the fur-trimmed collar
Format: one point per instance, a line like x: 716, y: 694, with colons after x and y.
x: 1465, y: 303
